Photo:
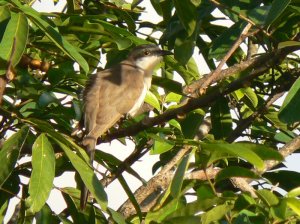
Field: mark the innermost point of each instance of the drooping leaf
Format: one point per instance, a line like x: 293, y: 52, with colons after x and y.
x: 87, y: 175
x: 222, y: 44
x: 187, y: 13
x: 268, y: 197
x: 215, y: 214
x: 277, y: 7
x: 46, y: 216
x: 178, y: 178
x: 53, y: 35
x: 14, y: 40
x: 43, y: 171
x: 221, y: 119
x: 9, y: 153
x: 242, y: 150
x: 291, y: 104
x: 234, y: 171
x: 160, y: 214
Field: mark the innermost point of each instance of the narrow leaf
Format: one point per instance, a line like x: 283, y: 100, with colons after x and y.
x: 221, y: 119
x: 43, y: 171
x: 14, y: 40
x: 215, y: 214
x: 268, y: 197
x: 235, y: 171
x: 53, y: 35
x: 291, y: 104
x: 187, y: 15
x: 9, y: 153
x: 277, y: 8
x: 242, y: 150
x: 87, y: 175
x: 178, y: 178
x: 294, y: 204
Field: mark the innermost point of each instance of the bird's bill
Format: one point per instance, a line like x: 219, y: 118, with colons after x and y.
x: 164, y: 52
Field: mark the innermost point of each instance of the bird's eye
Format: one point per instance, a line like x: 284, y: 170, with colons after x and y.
x: 146, y: 53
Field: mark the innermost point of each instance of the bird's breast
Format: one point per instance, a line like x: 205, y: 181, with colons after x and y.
x: 139, y: 102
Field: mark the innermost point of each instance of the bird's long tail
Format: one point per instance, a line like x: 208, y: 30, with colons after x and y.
x: 90, y: 148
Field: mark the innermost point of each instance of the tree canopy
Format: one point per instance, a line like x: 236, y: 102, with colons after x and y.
x: 221, y: 137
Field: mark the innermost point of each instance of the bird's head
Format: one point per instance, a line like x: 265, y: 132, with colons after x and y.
x: 147, y: 56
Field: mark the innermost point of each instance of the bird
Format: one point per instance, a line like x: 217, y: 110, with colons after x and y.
x: 114, y: 92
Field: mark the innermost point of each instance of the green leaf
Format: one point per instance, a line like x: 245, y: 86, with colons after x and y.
x: 289, y: 43
x: 175, y: 124
x: 117, y: 217
x: 294, y: 204
x: 178, y: 178
x: 9, y: 153
x: 221, y: 118
x: 294, y: 192
x: 173, y: 97
x: 160, y: 214
x: 291, y: 104
x: 196, y: 207
x: 190, y: 125
x: 242, y: 150
x: 235, y: 171
x: 187, y: 13
x: 215, y: 213
x: 46, y: 216
x: 188, y: 72
x: 268, y: 197
x: 184, y: 48
x: 244, y: 201
x: 53, y: 35
x: 14, y: 40
x: 277, y: 8
x: 250, y: 94
x: 47, y: 128
x: 152, y: 100
x: 87, y: 175
x: 43, y: 171
x: 167, y: 84
x: 222, y: 44
x: 185, y: 220
x: 161, y: 145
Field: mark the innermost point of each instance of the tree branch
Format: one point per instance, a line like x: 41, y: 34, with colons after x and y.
x: 257, y: 66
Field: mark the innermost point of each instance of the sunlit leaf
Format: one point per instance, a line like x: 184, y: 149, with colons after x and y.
x: 187, y: 14
x: 43, y: 171
x: 152, y: 100
x: 9, y: 153
x: 242, y: 150
x: 53, y: 35
x: 87, y: 175
x: 291, y: 104
x: 14, y: 39
x: 268, y: 197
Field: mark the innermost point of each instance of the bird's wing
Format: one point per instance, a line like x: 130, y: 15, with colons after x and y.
x: 106, y: 100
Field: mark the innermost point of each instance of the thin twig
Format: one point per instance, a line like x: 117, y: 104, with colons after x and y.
x: 209, y: 79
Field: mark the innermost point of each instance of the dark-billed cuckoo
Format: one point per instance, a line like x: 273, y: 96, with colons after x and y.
x: 111, y: 93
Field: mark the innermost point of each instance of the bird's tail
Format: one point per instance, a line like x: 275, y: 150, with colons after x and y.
x: 90, y: 148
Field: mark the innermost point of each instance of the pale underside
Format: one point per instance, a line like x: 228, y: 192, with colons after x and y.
x: 106, y: 99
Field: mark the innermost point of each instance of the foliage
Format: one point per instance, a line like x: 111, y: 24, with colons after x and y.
x: 248, y: 134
